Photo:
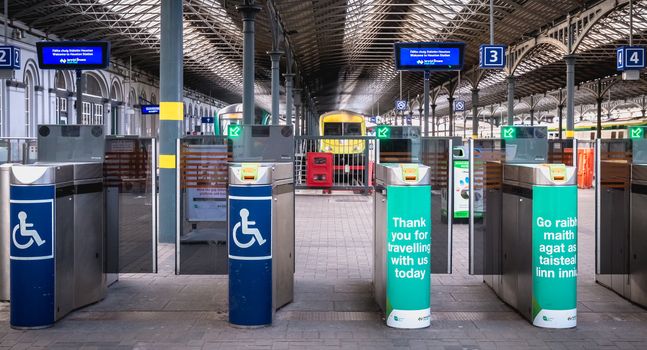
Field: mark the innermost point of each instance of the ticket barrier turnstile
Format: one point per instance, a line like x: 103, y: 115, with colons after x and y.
x: 261, y: 241
x: 621, y: 199
x: 57, y: 227
x: 56, y: 263
x: 524, y: 242
x: 539, y: 240
x: 638, y: 234
x: 261, y: 244
x: 401, y: 264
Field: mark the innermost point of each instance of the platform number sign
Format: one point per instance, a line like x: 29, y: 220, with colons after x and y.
x: 400, y: 105
x: 492, y: 56
x: 459, y: 106
x: 9, y: 57
x: 630, y: 58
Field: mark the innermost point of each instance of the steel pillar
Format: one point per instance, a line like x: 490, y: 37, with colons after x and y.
x: 275, y: 56
x: 599, y: 101
x: 248, y: 12
x: 433, y: 120
x: 426, y: 103
x: 171, y: 114
x: 475, y: 113
x: 511, y: 83
x: 570, y: 96
x: 79, y: 96
x: 451, y: 115
x: 289, y: 98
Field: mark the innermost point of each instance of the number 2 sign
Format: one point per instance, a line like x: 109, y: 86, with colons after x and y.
x: 9, y: 57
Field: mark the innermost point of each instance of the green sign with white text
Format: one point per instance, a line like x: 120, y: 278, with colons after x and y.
x: 554, y: 261
x: 408, y: 250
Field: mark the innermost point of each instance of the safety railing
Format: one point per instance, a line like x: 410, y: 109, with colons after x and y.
x: 353, y: 160
x: 22, y: 150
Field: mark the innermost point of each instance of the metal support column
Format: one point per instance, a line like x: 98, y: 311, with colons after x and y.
x: 570, y: 96
x: 171, y: 114
x: 79, y: 96
x: 599, y: 101
x: 248, y: 12
x: 475, y: 113
x: 426, y: 103
x: 421, y: 120
x: 451, y: 115
x: 511, y: 81
x: 433, y: 120
x: 297, y: 110
x: 289, y: 100
x: 560, y: 115
x: 532, y: 110
x: 275, y: 56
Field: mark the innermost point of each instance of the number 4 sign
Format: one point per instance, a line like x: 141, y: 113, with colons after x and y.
x: 9, y: 57
x: 630, y: 58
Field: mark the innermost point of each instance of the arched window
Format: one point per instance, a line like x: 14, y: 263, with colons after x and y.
x: 132, y: 98
x: 61, y: 98
x: 92, y: 101
x: 115, y: 92
x: 92, y: 86
x: 60, y: 81
x: 29, y: 102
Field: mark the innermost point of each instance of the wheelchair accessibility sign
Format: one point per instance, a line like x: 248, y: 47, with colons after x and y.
x: 32, y: 229
x: 250, y: 222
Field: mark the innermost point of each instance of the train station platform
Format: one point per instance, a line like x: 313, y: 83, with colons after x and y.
x: 333, y: 306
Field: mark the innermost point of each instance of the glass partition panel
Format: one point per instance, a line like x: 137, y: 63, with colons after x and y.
x: 131, y: 235
x: 201, y: 245
x: 613, y: 177
x: 435, y: 153
x: 485, y: 192
x: 561, y: 151
x: 402, y: 146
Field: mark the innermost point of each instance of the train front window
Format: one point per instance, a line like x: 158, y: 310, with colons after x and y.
x: 332, y: 129
x: 353, y: 129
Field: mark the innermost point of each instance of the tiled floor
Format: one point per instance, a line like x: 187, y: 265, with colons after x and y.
x: 333, y: 306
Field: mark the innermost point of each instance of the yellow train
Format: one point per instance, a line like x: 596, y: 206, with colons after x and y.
x: 342, y: 124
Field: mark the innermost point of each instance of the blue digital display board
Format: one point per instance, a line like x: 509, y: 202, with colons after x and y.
x: 73, y: 54
x: 429, y: 56
x: 150, y: 109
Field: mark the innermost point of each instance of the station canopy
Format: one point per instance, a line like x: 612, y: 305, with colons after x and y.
x: 343, y: 49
